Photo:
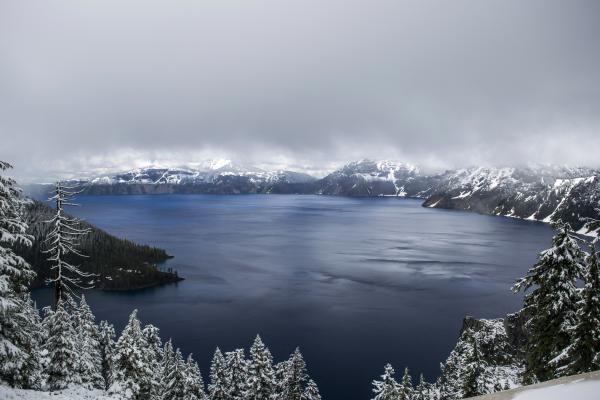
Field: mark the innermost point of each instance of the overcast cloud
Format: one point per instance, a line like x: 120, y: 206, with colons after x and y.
x: 114, y: 84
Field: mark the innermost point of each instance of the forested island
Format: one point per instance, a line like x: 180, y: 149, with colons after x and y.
x: 117, y: 264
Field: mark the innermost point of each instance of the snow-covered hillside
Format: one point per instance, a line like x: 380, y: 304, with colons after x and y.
x: 74, y: 393
x: 499, y: 343
x: 543, y: 194
x: 576, y: 387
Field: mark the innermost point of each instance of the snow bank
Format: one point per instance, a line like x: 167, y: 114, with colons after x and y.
x: 75, y: 393
x: 576, y: 387
x: 583, y: 390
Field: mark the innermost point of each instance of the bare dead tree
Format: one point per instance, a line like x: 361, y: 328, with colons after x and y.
x: 63, y: 241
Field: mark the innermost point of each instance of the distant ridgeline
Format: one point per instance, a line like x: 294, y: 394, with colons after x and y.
x: 543, y: 193
x: 118, y: 263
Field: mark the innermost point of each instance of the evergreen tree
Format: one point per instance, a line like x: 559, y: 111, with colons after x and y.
x: 295, y: 376
x: 474, y: 382
x: 62, y: 242
x: 19, y: 320
x: 176, y: 378
x: 552, y: 305
x: 237, y: 373
x: 166, y: 365
x: 154, y: 353
x: 261, y: 377
x: 581, y: 354
x: 311, y: 391
x: 106, y: 340
x: 423, y: 390
x: 406, y: 387
x: 90, y: 357
x: 218, y: 389
x: 280, y: 375
x: 152, y: 335
x: 387, y: 388
x: 62, y: 349
x: 133, y: 377
x: 194, y: 385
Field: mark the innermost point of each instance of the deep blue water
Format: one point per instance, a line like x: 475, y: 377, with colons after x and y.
x: 356, y: 283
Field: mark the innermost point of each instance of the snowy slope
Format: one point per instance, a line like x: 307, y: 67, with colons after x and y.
x: 576, y: 387
x: 543, y: 194
x: 75, y: 393
x: 500, y: 342
x: 370, y: 178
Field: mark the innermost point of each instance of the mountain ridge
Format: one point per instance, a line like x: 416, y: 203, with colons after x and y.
x: 539, y: 193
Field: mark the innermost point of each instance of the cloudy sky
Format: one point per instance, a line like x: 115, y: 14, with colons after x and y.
x: 87, y: 85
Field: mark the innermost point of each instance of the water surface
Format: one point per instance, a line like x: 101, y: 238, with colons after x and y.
x: 354, y: 282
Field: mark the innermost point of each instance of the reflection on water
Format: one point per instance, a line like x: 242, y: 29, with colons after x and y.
x: 356, y: 283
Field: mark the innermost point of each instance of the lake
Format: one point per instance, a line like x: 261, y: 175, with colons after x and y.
x: 354, y: 282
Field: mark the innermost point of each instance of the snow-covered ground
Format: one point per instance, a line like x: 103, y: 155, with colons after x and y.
x: 577, y: 387
x: 7, y: 393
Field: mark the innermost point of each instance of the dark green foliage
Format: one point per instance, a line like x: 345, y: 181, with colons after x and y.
x: 218, y: 389
x: 582, y: 355
x: 474, y: 378
x: 20, y: 331
x: 261, y: 376
x: 119, y: 263
x: 237, y: 373
x: 295, y: 377
x: 552, y: 304
x: 106, y: 339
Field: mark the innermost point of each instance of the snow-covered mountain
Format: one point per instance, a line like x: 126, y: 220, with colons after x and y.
x: 205, y: 172
x: 536, y: 193
x: 370, y: 178
x: 544, y: 193
x: 211, y: 176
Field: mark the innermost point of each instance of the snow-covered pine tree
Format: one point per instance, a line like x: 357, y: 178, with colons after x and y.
x: 406, y: 387
x: 106, y: 340
x: 280, y: 375
x: 133, y: 377
x: 295, y: 377
x: 62, y: 349
x: 261, y: 377
x: 152, y: 335
x: 62, y: 242
x: 423, y: 391
x: 311, y: 391
x: 218, y: 388
x: 446, y: 383
x: 90, y: 357
x: 552, y: 305
x: 19, y: 320
x: 176, y: 378
x: 387, y: 388
x: 237, y: 373
x: 154, y: 350
x: 166, y: 365
x: 582, y: 354
x: 474, y: 378
x: 194, y: 385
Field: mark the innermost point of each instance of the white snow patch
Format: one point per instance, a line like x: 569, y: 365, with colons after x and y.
x: 73, y: 393
x: 578, y: 390
x: 434, y: 204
